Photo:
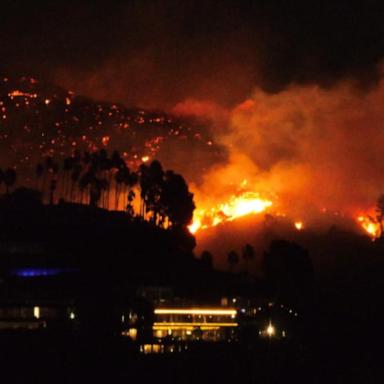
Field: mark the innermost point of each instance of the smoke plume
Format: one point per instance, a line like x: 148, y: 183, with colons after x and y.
x: 311, y: 149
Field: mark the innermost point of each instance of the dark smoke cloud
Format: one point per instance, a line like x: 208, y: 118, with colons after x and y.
x: 158, y: 53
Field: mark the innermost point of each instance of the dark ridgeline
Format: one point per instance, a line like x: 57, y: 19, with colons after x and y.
x: 39, y: 119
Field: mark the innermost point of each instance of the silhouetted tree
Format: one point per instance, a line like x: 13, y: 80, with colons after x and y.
x: 9, y: 179
x: 75, y: 176
x: 120, y: 177
x: 52, y: 189
x: 289, y: 272
x: 39, y: 171
x: 248, y: 254
x: 67, y: 168
x: 232, y: 259
x: 85, y: 183
x: 51, y: 168
x: 207, y: 260
x: 380, y: 213
x: 1, y: 177
x: 151, y: 186
x: 130, y: 180
x: 165, y: 198
x: 176, y: 200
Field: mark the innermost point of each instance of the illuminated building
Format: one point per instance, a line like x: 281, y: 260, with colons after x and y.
x: 19, y: 316
x: 195, y: 324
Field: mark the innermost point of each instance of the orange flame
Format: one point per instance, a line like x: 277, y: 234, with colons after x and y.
x: 371, y: 226
x: 237, y: 206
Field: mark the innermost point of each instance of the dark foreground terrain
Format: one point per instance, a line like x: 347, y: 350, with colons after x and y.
x: 66, y: 358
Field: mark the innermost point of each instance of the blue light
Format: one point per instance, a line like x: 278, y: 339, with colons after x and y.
x: 39, y: 272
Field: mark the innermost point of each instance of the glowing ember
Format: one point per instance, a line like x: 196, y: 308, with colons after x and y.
x: 18, y: 93
x: 371, y: 226
x: 245, y: 204
x: 299, y: 225
x: 105, y: 140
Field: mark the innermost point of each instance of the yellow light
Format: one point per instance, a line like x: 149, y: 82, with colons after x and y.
x: 132, y: 332
x: 152, y: 348
x: 36, y: 312
x: 190, y: 325
x: 270, y: 330
x: 159, y: 333
x: 195, y: 311
x: 144, y: 159
x: 167, y: 327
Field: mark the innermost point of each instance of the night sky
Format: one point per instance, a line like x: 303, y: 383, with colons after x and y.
x: 157, y: 53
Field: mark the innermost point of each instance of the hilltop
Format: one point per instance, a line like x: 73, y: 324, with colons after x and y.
x: 39, y: 119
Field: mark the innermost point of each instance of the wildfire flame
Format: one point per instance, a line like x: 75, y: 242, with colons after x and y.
x: 251, y: 203
x: 371, y: 226
x: 237, y: 206
x: 299, y: 225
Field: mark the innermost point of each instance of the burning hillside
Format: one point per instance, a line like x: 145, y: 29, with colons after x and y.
x: 297, y: 153
x: 307, y: 150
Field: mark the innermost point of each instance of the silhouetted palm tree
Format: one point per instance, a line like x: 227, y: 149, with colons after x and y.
x: 52, y: 189
x: 130, y: 180
x: 1, y: 177
x: 155, y: 190
x: 144, y: 187
x: 67, y: 168
x: 248, y: 254
x: 119, y: 180
x: 232, y: 259
x: 97, y: 188
x: 39, y: 174
x: 84, y: 184
x: 289, y: 271
x: 86, y: 158
x: 207, y: 259
x: 9, y: 179
x: 75, y: 176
